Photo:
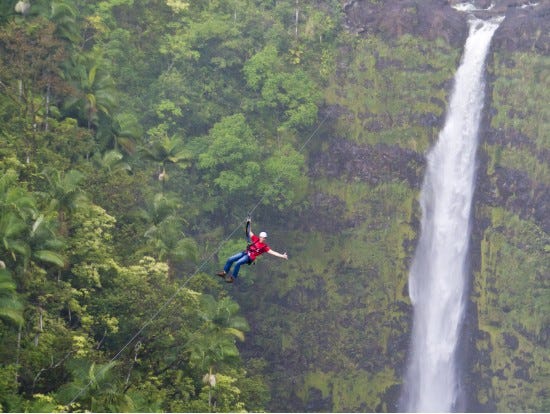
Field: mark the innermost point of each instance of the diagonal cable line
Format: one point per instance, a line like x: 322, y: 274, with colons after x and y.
x: 154, y: 316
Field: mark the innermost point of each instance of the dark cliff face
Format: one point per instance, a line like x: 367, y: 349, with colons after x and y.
x: 426, y: 18
x: 384, y: 108
x: 526, y: 26
x: 508, y: 188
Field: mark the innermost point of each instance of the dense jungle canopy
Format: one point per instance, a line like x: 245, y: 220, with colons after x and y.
x: 136, y: 136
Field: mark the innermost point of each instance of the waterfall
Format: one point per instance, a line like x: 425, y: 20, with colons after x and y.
x: 438, y: 276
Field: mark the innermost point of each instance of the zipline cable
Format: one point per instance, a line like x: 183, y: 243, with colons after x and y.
x: 197, y: 270
x: 157, y: 312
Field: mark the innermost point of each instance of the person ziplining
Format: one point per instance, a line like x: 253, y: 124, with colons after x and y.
x: 256, y: 247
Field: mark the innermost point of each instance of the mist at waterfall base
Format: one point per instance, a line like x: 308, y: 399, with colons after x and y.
x: 439, y: 274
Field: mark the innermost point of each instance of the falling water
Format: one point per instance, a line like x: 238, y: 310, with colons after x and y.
x: 438, y: 276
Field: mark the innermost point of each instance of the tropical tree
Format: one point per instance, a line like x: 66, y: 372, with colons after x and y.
x: 165, y: 237
x: 177, y: 66
x: 112, y: 161
x: 90, y: 246
x: 96, y: 91
x: 164, y: 150
x: 169, y: 243
x: 64, y: 193
x: 291, y: 93
x: 29, y: 245
x: 214, y: 342
x: 45, y: 245
x: 17, y: 209
x: 11, y: 308
x: 95, y: 387
x: 160, y: 208
x: 122, y: 132
x: 284, y: 183
x: 12, y: 230
x: 29, y: 68
x: 203, y: 53
x: 65, y: 16
x: 230, y: 163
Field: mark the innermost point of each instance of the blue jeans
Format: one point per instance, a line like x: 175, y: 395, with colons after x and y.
x: 239, y: 259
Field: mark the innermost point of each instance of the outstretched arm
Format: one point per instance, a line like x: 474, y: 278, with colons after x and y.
x: 274, y: 253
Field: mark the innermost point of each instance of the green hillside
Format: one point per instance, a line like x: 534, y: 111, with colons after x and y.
x: 135, y: 138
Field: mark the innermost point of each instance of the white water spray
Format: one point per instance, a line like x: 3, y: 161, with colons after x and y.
x: 439, y: 274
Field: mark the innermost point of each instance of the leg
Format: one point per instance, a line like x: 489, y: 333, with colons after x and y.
x: 240, y: 262
x: 232, y: 260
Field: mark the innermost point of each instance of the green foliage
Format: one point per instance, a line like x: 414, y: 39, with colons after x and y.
x: 224, y: 397
x: 10, y: 305
x: 291, y: 93
x: 286, y: 184
x: 112, y: 161
x: 520, y: 78
x: 315, y: 290
x: 510, y: 288
x: 96, y: 387
x: 387, y: 92
x: 169, y: 243
x: 235, y: 164
x: 10, y: 401
x: 91, y: 235
x: 167, y: 150
x: 214, y: 341
x: 96, y: 92
x: 46, y: 246
x: 135, y: 134
x: 511, y: 294
x: 231, y: 160
x: 26, y: 234
x: 71, y: 68
x: 65, y: 190
x: 357, y: 390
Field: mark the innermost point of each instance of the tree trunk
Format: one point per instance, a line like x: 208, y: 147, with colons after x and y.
x: 47, y: 111
x: 18, y: 352
x: 297, y: 18
x: 40, y: 327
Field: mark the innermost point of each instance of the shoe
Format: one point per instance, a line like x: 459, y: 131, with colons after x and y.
x: 221, y: 274
x: 229, y: 279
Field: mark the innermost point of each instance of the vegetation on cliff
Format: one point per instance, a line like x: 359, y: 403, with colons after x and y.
x: 511, y: 284
x: 136, y: 135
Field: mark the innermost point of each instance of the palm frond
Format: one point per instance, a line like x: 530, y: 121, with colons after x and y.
x: 49, y: 256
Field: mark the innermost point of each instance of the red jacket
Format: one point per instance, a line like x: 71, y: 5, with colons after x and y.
x: 256, y: 248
